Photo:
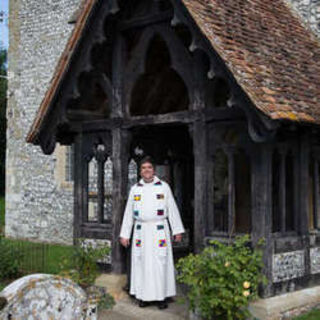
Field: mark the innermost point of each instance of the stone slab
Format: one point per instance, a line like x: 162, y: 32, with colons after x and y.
x: 280, y: 307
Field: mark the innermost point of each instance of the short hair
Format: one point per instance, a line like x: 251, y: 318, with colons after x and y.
x: 145, y: 160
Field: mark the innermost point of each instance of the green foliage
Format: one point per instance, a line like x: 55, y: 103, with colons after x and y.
x: 223, y: 278
x: 10, y: 258
x: 82, y: 267
x: 2, y: 214
x: 314, y: 314
x: 106, y: 301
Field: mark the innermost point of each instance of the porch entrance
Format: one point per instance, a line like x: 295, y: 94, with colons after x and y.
x: 172, y: 149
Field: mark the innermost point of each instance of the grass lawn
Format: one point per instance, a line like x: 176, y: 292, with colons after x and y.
x: 2, y: 212
x: 312, y: 315
x: 34, y: 253
x: 40, y: 257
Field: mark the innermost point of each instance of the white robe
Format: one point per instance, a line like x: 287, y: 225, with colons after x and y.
x: 152, y: 265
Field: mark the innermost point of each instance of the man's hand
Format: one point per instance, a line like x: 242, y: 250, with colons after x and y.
x: 177, y: 237
x: 125, y: 242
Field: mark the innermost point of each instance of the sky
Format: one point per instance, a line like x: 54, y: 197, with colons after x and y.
x: 4, y: 25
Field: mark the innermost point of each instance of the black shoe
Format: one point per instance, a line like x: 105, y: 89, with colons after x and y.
x: 162, y: 304
x: 142, y: 303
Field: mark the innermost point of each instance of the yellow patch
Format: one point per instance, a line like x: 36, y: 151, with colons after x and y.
x: 137, y: 197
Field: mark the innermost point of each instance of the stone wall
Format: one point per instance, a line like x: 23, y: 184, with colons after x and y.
x: 309, y: 12
x: 36, y: 207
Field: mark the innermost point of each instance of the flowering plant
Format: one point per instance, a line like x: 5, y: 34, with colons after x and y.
x: 223, y: 278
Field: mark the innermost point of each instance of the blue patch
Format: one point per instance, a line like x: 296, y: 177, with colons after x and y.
x: 160, y: 226
x: 136, y: 212
x: 138, y: 226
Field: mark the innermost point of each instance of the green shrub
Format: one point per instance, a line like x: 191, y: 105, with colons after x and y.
x: 10, y: 258
x: 222, y: 279
x: 81, y: 265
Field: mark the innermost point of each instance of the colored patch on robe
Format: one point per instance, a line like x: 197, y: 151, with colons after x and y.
x: 138, y: 226
x: 137, y: 197
x: 138, y: 242
x: 160, y: 196
x: 160, y: 226
x: 160, y: 212
x: 162, y: 243
x: 139, y: 184
x: 136, y: 212
x: 158, y: 183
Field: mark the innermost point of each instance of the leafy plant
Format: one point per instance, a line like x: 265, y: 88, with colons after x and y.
x: 223, y: 278
x: 10, y: 258
x: 81, y: 265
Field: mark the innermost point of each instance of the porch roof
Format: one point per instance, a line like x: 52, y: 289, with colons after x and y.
x: 273, y: 56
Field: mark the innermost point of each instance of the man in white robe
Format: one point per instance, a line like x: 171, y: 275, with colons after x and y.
x: 149, y: 207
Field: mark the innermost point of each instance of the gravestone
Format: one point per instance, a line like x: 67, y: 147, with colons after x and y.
x: 45, y: 296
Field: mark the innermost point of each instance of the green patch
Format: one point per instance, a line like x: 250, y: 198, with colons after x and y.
x: 38, y: 257
x: 2, y: 212
x: 311, y: 315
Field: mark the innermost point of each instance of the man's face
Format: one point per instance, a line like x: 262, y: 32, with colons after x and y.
x: 147, y: 171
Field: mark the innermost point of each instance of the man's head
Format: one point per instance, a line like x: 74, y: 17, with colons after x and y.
x: 147, y: 168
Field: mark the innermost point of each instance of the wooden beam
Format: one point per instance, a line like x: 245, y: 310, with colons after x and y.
x: 100, y: 184
x: 282, y: 190
x: 231, y: 192
x: 304, y: 184
x: 77, y: 189
x: 303, y: 199
x: 316, y: 197
x: 120, y: 155
x: 200, y: 183
x: 144, y: 21
x: 210, y: 202
x: 210, y: 115
x: 261, y: 212
x: 118, y: 59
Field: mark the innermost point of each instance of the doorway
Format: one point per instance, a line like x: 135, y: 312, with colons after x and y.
x: 171, y: 147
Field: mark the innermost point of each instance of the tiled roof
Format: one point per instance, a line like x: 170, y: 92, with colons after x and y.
x: 272, y: 55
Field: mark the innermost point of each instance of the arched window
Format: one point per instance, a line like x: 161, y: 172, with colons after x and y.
x: 283, y: 188
x: 220, y: 191
x: 160, y: 89
x: 314, y: 192
x: 231, y: 191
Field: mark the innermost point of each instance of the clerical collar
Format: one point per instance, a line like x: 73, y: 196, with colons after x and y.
x: 155, y: 181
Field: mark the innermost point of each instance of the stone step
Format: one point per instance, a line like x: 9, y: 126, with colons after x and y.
x: 127, y: 308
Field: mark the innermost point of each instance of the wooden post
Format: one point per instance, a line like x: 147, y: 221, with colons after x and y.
x: 120, y: 144
x: 77, y: 191
x: 316, y: 197
x: 100, y: 191
x: 231, y: 192
x: 210, y: 198
x: 282, y: 189
x: 261, y: 187
x: 200, y: 183
x: 303, y: 200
